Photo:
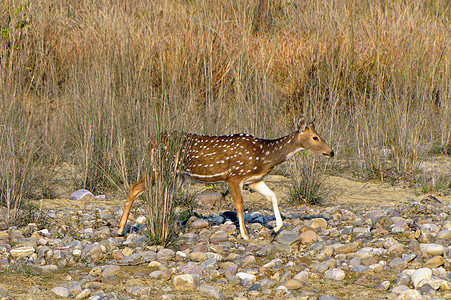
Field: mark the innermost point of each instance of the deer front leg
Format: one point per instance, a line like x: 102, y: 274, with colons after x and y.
x: 266, y: 192
x: 238, y: 200
x: 134, y: 192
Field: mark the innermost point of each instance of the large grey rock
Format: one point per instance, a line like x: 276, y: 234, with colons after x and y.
x: 82, y: 194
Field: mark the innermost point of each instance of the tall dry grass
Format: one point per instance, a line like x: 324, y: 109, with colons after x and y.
x: 87, y: 75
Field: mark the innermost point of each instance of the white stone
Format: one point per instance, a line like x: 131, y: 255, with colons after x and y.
x: 84, y: 294
x: 80, y: 194
x: 186, y: 282
x: 141, y: 220
x: 410, y: 295
x: 335, y: 274
x: 301, y: 276
x: 429, y: 228
x: 399, y: 289
x: 419, y: 275
x: 244, y: 275
x: 61, y: 291
x: 21, y: 252
x: 432, y: 249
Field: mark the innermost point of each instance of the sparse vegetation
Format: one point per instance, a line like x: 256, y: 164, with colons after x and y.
x: 434, y: 184
x: 161, y: 173
x: 80, y: 82
x: 308, y: 180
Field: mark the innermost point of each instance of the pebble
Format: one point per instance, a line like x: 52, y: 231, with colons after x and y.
x: 244, y: 275
x: 61, y: 291
x: 335, y: 274
x: 186, y: 282
x: 410, y: 295
x: 200, y: 223
x: 432, y: 249
x: 293, y: 284
x: 308, y: 237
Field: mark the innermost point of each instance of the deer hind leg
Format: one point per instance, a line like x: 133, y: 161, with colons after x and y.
x: 265, y: 191
x: 238, y: 200
x: 134, y: 192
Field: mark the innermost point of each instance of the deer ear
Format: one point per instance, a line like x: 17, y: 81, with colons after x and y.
x: 301, y: 124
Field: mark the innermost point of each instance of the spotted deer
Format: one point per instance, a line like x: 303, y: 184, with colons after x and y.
x: 238, y: 159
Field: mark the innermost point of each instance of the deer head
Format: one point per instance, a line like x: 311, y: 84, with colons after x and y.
x: 309, y: 139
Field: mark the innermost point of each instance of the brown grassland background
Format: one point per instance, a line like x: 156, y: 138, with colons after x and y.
x: 83, y: 82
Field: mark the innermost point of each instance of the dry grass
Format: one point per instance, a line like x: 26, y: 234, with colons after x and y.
x: 82, y: 79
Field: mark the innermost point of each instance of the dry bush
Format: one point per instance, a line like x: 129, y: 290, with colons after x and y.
x: 374, y: 74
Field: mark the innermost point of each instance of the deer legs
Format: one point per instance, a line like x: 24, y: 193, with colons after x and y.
x: 235, y: 187
x: 261, y: 188
x: 237, y: 196
x: 134, y: 192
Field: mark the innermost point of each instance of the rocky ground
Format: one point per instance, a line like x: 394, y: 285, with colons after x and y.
x: 379, y: 246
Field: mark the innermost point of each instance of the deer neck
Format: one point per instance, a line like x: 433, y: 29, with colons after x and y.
x: 279, y: 150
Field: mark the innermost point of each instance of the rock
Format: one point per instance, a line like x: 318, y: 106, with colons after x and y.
x: 231, y: 271
x: 110, y: 270
x: 288, y: 237
x: 83, y: 294
x: 432, y: 249
x: 301, y: 276
x: 335, y: 274
x: 309, y: 237
x: 244, y: 275
x: 210, y: 264
x: 92, y: 251
x: 82, y: 194
x: 323, y: 267
x: 200, y: 223
x: 61, y: 291
x: 435, y: 262
x: 165, y: 254
x: 117, y: 255
x: 419, y: 275
x: 186, y: 282
x: 156, y: 274
x: 208, y: 199
x: 21, y: 252
x: 347, y: 248
x: 414, y: 245
x: 191, y: 268
x: 328, y: 297
x: 48, y: 268
x: 397, y: 263
x: 211, y: 291
x: 444, y: 234
x: 319, y: 223
x: 293, y: 284
x: 197, y: 256
x: 248, y: 260
x: 361, y: 269
x: 410, y: 295
x: 267, y: 283
x: 384, y: 286
x: 399, y: 289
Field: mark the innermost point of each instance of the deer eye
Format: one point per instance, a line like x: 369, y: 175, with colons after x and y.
x: 315, y: 138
